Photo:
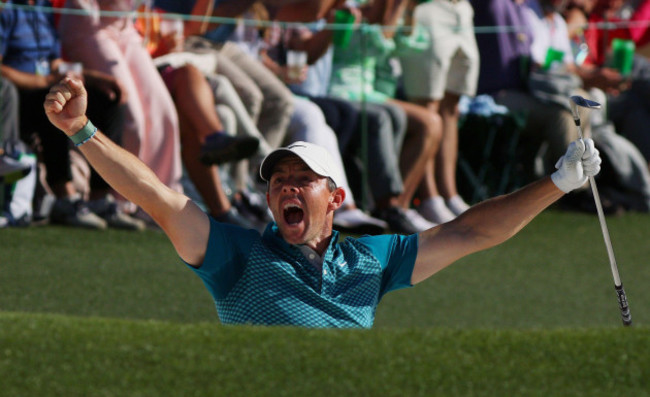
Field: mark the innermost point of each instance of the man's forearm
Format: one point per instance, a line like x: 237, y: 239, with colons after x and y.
x: 25, y: 81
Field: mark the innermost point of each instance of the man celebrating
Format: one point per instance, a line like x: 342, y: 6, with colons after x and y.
x: 297, y: 273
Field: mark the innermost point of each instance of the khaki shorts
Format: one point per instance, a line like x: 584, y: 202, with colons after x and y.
x: 451, y: 63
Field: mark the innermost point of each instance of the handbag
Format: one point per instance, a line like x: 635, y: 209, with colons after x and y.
x: 553, y: 86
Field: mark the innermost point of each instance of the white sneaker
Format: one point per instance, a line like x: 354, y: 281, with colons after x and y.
x: 418, y: 221
x: 434, y: 210
x: 356, y: 221
x: 457, y: 205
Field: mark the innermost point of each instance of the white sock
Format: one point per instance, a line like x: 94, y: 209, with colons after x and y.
x: 435, y: 210
x: 457, y: 205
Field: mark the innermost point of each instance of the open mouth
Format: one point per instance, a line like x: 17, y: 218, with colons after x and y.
x: 293, y: 214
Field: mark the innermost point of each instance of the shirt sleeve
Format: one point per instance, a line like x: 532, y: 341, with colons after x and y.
x: 225, y: 257
x: 397, y: 254
x: 5, y: 22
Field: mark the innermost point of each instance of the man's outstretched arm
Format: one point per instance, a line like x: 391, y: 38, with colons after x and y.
x: 184, y: 223
x: 496, y: 220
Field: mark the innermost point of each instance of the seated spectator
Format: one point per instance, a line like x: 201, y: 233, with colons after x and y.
x: 201, y: 128
x: 628, y: 98
x: 308, y: 124
x: 504, y: 66
x: 111, y: 44
x: 268, y: 101
x: 355, y: 80
x: 30, y: 60
x: 205, y: 144
x: 385, y: 126
x: 435, y: 75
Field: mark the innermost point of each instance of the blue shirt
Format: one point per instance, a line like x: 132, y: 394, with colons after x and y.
x: 28, y: 38
x: 264, y: 280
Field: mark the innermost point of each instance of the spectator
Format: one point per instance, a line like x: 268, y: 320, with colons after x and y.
x: 201, y: 127
x: 268, y: 101
x: 30, y: 60
x: 628, y: 99
x: 199, y: 122
x: 436, y: 78
x: 354, y: 79
x: 308, y: 124
x: 504, y: 73
x: 385, y: 129
x: 111, y: 44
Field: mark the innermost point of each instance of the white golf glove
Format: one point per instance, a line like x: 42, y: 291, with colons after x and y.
x: 580, y: 161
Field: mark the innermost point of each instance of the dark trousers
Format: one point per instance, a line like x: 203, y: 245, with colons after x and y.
x: 9, y: 132
x: 106, y: 114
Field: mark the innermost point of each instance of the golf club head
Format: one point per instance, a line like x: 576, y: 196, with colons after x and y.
x: 578, y: 101
x: 585, y: 103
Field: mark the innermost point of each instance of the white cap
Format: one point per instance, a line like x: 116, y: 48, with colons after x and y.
x: 316, y: 157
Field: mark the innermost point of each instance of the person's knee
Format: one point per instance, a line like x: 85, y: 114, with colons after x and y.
x: 279, y: 102
x: 431, y: 128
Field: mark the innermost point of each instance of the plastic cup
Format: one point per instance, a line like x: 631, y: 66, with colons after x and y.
x: 296, y: 61
x: 623, y: 55
x: 75, y: 68
x: 552, y: 56
x: 342, y: 36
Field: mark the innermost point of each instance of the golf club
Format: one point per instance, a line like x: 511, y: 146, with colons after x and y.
x: 576, y: 103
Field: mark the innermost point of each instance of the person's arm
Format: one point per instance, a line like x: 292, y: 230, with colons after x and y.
x: 186, y: 225
x: 206, y: 8
x: 496, y: 220
x: 301, y: 10
x: 27, y: 81
x: 317, y: 44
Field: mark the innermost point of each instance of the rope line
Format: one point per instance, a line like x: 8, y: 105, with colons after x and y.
x: 310, y: 25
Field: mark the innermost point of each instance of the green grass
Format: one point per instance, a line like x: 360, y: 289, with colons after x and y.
x: 117, y: 314
x: 68, y: 356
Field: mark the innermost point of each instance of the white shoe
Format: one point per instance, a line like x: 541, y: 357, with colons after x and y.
x: 457, y: 205
x: 418, y: 221
x: 434, y: 210
x: 356, y: 221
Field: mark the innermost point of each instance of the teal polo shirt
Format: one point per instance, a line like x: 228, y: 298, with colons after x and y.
x: 263, y: 280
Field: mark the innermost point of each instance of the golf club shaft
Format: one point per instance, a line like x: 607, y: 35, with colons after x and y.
x: 603, y: 227
x: 620, y: 292
x: 618, y: 286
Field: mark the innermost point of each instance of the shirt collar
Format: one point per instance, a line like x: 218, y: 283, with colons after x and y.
x: 272, y: 235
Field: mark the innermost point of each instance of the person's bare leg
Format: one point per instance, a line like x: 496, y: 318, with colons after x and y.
x: 420, y: 145
x: 428, y: 187
x: 447, y: 157
x: 198, y: 119
x: 194, y: 99
x: 438, y: 181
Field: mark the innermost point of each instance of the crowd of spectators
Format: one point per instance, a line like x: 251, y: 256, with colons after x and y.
x: 202, y: 90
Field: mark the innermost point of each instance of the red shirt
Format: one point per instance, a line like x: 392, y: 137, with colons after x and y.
x: 599, y: 38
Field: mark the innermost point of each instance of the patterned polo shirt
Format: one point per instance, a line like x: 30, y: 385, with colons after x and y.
x: 263, y: 280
